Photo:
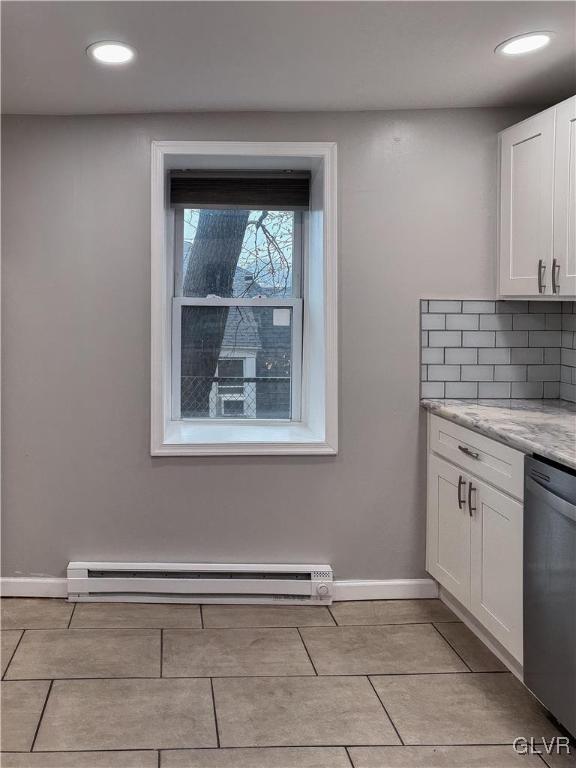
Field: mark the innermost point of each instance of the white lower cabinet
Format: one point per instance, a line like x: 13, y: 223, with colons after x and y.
x: 474, y: 545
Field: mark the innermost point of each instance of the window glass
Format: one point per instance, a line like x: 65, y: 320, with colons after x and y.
x: 238, y: 253
x: 236, y: 354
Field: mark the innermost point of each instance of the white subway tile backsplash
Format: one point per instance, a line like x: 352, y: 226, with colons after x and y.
x: 494, y: 355
x: 495, y: 322
x: 444, y: 306
x: 529, y: 322
x: 478, y: 338
x: 477, y: 373
x: 493, y: 390
x: 433, y: 389
x: 433, y: 322
x: 545, y: 339
x: 478, y: 306
x: 498, y: 349
x: 552, y: 355
x: 543, y: 372
x: 511, y: 338
x: 510, y: 373
x: 443, y: 373
x: 445, y: 338
x: 462, y: 322
x: 527, y: 389
x: 432, y: 355
x: 462, y: 389
x: 461, y: 356
x: 525, y: 355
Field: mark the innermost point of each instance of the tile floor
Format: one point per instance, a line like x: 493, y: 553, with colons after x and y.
x: 375, y: 684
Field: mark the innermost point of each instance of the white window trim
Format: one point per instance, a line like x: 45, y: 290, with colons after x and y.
x: 317, y: 431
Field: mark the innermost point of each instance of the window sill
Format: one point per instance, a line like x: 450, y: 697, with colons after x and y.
x: 184, y: 438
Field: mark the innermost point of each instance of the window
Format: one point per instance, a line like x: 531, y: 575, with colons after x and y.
x: 237, y: 318
x: 243, y: 298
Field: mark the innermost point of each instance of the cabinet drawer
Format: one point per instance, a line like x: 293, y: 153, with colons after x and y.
x: 488, y: 459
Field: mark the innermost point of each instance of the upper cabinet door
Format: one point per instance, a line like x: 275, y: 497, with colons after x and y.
x: 526, y: 206
x: 564, y: 257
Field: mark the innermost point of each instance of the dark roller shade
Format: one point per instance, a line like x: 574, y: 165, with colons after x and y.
x: 268, y: 190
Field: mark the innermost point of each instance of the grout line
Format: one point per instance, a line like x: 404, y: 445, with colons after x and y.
x: 307, y: 651
x: 386, y: 711
x: 161, y: 653
x: 462, y: 659
x: 215, y: 715
x: 41, y: 715
x: 159, y: 759
x: 334, y: 619
x: 349, y: 756
x: 71, y: 615
x: 248, y: 626
x: 255, y: 677
x: 201, y: 617
x: 13, y: 654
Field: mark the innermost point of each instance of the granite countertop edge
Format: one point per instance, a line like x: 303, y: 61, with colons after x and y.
x: 547, y: 428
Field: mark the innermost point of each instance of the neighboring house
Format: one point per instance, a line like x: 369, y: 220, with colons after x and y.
x: 254, y: 367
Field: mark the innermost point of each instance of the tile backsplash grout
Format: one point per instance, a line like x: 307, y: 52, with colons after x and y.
x: 498, y: 349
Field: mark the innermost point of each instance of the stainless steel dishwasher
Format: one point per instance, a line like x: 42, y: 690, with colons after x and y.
x: 550, y: 587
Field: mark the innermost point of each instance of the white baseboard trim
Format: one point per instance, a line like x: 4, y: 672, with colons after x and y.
x: 391, y: 589
x: 31, y: 586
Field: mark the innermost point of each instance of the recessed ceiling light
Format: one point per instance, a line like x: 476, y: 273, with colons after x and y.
x: 527, y: 43
x: 111, y: 52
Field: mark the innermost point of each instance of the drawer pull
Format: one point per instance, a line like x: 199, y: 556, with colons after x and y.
x: 468, y: 452
x: 461, y: 482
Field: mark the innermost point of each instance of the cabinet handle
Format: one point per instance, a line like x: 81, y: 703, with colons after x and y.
x: 471, y: 509
x: 461, y: 482
x: 555, y: 276
x: 468, y: 452
x: 541, y: 271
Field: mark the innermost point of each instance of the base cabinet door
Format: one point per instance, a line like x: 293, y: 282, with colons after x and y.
x: 448, y: 535
x: 563, y: 275
x: 496, y: 564
x: 526, y: 201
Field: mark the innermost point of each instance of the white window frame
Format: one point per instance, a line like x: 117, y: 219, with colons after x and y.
x: 317, y: 430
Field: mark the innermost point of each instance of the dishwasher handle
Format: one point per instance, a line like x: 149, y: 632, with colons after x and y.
x: 549, y: 497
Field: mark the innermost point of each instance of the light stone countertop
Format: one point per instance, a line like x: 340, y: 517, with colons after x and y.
x: 546, y: 427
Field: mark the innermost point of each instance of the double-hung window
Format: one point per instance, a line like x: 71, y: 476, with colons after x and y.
x: 243, y: 292
x: 237, y: 306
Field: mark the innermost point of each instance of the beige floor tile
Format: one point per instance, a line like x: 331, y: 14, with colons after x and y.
x: 68, y: 653
x: 8, y: 642
x: 441, y: 757
x: 222, y: 616
x: 476, y: 655
x: 34, y: 613
x: 127, y: 714
x: 392, y: 649
x: 561, y: 758
x: 279, y: 757
x: 300, y: 711
x: 225, y: 652
x: 484, y: 708
x: 135, y: 616
x: 391, y: 612
x: 136, y: 759
x: 22, y: 705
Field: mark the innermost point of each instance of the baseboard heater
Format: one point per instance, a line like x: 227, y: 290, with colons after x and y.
x: 200, y: 583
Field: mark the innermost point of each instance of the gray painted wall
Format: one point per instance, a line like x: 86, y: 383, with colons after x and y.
x: 417, y: 219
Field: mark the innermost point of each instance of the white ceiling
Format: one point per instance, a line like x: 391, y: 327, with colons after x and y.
x: 282, y: 55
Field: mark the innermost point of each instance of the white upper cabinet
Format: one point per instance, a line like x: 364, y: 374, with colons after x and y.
x: 564, y: 256
x: 537, y: 205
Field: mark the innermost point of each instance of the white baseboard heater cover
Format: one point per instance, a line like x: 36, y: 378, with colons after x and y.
x: 200, y: 583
